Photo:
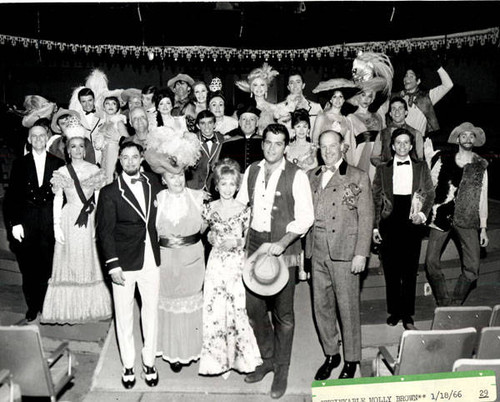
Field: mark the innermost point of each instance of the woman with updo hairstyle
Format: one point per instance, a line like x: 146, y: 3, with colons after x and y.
x: 301, y: 151
x: 77, y: 292
x: 217, y: 105
x: 200, y: 95
x: 164, y: 101
x: 228, y: 339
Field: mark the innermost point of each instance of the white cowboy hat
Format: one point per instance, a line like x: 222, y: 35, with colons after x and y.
x: 265, y: 274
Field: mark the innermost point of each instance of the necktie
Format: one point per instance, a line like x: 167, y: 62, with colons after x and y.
x: 403, y: 163
x: 326, y: 168
x: 141, y: 179
x: 92, y: 111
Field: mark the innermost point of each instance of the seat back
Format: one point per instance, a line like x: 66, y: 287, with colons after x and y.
x: 495, y: 316
x: 21, y: 353
x: 480, y: 364
x: 433, y: 351
x: 489, y: 343
x: 461, y: 317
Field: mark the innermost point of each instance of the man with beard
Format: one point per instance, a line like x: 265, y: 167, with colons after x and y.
x: 126, y: 215
x: 181, y: 86
x: 461, y: 206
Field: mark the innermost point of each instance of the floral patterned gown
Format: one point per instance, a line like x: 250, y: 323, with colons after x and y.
x: 77, y: 292
x: 228, y: 338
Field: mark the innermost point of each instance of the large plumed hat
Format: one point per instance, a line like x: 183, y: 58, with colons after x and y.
x: 347, y: 87
x: 265, y: 274
x: 180, y: 77
x: 55, y: 128
x: 478, y: 132
x: 266, y: 72
x: 171, y: 150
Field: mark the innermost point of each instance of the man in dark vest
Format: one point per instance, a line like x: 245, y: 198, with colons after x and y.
x: 28, y: 209
x: 421, y: 114
x: 460, y: 205
x: 282, y: 211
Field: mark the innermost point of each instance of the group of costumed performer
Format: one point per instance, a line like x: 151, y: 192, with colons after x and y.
x: 372, y: 75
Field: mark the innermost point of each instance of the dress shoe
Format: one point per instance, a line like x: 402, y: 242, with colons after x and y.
x: 408, y: 322
x: 128, y: 378
x: 280, y: 381
x: 260, y: 372
x: 393, y: 320
x: 176, y: 367
x: 31, y: 315
x: 326, y: 368
x: 348, y: 370
x: 150, y: 375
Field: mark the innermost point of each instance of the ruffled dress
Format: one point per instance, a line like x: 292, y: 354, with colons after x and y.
x: 228, y: 339
x: 182, y: 271
x: 304, y: 155
x: 76, y: 292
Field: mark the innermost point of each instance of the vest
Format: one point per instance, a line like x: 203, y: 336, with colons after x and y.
x: 423, y: 102
x: 459, y: 208
x: 283, y: 206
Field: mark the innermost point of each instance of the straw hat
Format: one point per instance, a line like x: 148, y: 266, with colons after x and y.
x: 180, y: 77
x: 55, y: 128
x: 265, y: 274
x: 130, y: 93
x: 478, y: 132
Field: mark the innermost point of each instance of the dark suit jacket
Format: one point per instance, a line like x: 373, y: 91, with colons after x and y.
x: 348, y: 200
x: 122, y: 225
x: 243, y: 150
x: 200, y: 177
x: 24, y: 194
x: 383, y: 196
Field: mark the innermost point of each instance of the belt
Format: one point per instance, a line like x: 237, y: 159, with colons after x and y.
x: 366, y: 136
x: 178, y: 242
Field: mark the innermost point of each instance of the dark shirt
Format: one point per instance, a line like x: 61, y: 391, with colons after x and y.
x: 243, y: 150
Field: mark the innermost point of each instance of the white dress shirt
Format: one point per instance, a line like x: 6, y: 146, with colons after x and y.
x: 39, y: 165
x: 402, y: 177
x: 328, y: 174
x: 263, y: 200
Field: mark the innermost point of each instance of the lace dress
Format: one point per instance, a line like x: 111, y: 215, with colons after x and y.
x: 182, y: 271
x: 76, y: 292
x: 228, y: 339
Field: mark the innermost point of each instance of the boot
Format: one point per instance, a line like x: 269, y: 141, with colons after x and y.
x: 461, y: 291
x: 440, y: 291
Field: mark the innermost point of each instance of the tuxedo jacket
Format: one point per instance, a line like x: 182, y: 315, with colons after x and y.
x: 348, y: 212
x: 199, y: 178
x: 93, y: 127
x: 122, y: 224
x: 24, y: 194
x: 383, y: 195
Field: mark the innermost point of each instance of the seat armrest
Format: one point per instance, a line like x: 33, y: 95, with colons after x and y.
x: 387, y: 358
x: 4, y: 375
x: 57, y: 354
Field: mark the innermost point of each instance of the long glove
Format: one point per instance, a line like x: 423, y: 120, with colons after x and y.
x: 57, y: 210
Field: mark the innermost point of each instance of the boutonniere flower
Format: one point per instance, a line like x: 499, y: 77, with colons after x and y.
x: 351, y: 195
x: 155, y: 203
x: 278, y: 194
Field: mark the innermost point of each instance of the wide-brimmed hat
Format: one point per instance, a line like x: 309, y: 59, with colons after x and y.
x: 265, y: 274
x: 347, y: 87
x: 180, y: 77
x: 44, y: 111
x: 55, y: 128
x: 130, y: 93
x: 478, y: 132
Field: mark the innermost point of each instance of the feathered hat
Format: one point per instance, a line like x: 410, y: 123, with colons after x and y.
x: 370, y: 65
x: 171, y: 150
x: 37, y: 107
x: 266, y: 72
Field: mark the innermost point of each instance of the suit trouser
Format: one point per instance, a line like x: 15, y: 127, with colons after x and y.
x: 400, y: 252
x: 275, y: 341
x: 470, y: 247
x: 34, y: 255
x: 148, y: 282
x: 335, y: 285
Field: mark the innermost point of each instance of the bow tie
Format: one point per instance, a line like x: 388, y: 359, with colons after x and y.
x: 205, y: 140
x: 403, y: 163
x: 326, y: 168
x: 141, y: 179
x: 92, y: 111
